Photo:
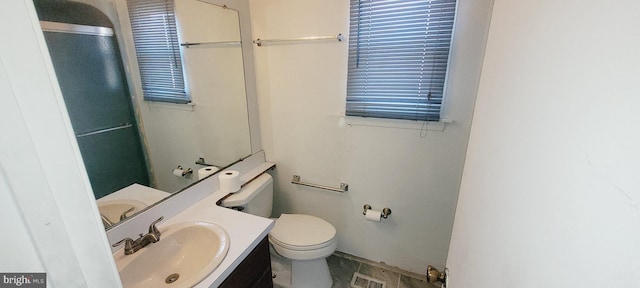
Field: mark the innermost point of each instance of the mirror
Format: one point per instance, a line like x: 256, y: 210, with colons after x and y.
x: 126, y: 141
x: 216, y: 128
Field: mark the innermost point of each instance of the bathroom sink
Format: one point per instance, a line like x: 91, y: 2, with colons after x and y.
x: 186, y: 254
x: 113, y: 209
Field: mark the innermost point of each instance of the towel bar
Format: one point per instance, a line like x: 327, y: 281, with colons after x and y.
x: 259, y: 41
x: 343, y: 186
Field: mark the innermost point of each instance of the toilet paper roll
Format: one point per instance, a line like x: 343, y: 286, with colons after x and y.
x: 373, y: 215
x: 178, y: 172
x: 229, y: 181
x: 206, y: 171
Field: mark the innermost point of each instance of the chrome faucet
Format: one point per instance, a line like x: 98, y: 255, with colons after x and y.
x: 132, y: 246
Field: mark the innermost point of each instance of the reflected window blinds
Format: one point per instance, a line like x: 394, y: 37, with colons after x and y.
x: 153, y: 24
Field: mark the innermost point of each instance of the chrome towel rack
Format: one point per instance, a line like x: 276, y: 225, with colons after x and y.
x: 259, y: 41
x: 343, y: 186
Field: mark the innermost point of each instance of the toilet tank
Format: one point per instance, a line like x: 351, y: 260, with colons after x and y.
x: 256, y: 197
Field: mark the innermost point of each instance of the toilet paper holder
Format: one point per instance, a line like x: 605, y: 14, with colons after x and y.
x: 384, y: 214
x: 184, y: 172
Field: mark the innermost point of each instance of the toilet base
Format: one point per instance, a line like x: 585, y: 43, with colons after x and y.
x: 300, y: 274
x: 281, y: 270
x: 311, y: 274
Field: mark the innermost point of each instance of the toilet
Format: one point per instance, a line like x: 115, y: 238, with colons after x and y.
x: 301, y: 242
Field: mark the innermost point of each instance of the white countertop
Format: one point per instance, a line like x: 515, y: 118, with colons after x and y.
x: 198, y: 203
x: 245, y: 232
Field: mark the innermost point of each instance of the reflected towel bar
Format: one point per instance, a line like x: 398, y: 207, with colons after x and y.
x: 343, y: 186
x: 259, y: 41
x: 224, y: 43
x: 124, y: 126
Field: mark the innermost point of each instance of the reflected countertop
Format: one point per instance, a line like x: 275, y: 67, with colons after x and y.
x: 135, y: 191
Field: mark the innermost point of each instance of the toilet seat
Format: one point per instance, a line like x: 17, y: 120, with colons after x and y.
x: 299, y: 248
x: 303, y: 237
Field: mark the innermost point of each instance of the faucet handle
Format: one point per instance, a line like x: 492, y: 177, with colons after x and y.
x: 153, y: 229
x: 128, y: 243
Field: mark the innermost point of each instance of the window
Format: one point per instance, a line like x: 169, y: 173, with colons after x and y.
x: 156, y: 40
x: 398, y: 55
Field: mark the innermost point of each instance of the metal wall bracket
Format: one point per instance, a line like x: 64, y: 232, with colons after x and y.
x: 435, y: 276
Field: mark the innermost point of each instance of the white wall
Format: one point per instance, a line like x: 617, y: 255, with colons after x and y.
x: 550, y: 190
x: 301, y: 94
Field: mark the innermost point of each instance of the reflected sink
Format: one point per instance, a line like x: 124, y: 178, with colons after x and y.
x: 186, y: 254
x: 112, y: 209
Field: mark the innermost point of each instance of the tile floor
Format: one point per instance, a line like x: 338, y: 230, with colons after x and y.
x: 342, y: 266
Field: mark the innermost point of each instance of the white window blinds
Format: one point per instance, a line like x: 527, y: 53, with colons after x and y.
x: 398, y: 55
x: 156, y: 40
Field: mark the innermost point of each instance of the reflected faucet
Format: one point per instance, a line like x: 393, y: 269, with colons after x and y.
x: 132, y: 246
x: 106, y: 222
x: 124, y: 214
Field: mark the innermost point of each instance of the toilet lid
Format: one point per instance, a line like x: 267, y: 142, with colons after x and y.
x: 302, y: 230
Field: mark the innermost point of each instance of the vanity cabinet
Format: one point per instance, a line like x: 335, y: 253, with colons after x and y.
x: 254, y: 271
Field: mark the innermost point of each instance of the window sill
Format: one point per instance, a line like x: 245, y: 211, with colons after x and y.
x: 397, y: 124
x: 168, y: 105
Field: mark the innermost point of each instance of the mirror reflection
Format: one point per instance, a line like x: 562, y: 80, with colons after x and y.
x: 138, y: 152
